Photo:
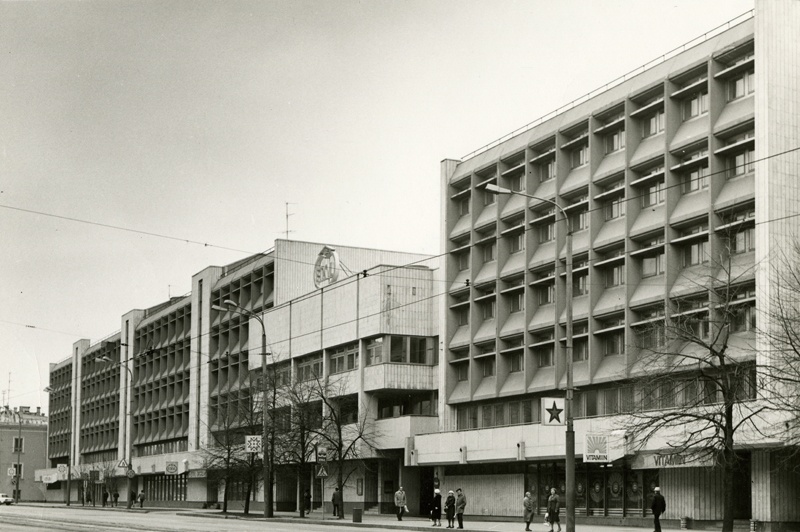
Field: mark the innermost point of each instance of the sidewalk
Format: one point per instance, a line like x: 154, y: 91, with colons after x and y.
x: 390, y: 522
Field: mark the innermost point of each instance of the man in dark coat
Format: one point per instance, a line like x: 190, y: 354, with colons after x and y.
x: 337, y: 503
x: 659, y: 506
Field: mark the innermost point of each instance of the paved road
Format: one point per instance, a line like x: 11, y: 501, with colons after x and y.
x: 34, y: 518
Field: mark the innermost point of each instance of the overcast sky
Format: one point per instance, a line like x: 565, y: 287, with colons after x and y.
x: 199, y: 121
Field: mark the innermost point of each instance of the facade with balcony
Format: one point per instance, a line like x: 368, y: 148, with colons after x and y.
x: 664, y: 175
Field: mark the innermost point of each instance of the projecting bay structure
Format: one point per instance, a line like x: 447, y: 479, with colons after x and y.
x: 153, y: 394
x: 653, y: 172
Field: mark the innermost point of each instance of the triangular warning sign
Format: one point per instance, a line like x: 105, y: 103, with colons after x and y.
x: 123, y: 464
x: 322, y: 472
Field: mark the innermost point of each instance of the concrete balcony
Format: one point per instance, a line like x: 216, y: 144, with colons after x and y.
x: 392, y: 376
x: 392, y: 432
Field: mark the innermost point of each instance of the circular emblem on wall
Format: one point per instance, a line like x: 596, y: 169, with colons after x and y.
x: 579, y: 488
x: 326, y: 269
x: 615, y: 484
x: 563, y: 487
x: 634, y: 493
x: 597, y: 491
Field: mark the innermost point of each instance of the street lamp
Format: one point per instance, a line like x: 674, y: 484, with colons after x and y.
x: 129, y: 473
x: 48, y: 389
x: 233, y: 307
x: 570, y: 435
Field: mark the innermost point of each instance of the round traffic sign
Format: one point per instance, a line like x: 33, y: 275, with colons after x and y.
x: 130, y: 473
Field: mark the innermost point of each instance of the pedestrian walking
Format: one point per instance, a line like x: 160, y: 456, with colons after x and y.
x: 461, y: 505
x: 105, y: 498
x: 115, y: 498
x: 659, y: 506
x: 436, y: 512
x: 141, y: 499
x: 553, y: 506
x: 307, y: 501
x: 337, y: 503
x: 450, y: 508
x: 400, y: 502
x: 527, y: 510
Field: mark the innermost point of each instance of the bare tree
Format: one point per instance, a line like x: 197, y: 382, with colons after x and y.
x: 345, y: 431
x: 226, y: 454
x: 297, y: 419
x: 694, y: 381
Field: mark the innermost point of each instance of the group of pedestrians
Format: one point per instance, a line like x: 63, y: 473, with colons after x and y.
x: 454, y: 506
x: 658, y: 507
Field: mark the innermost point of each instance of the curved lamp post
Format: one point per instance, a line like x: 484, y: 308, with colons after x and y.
x: 129, y: 472
x: 570, y: 434
x: 233, y: 307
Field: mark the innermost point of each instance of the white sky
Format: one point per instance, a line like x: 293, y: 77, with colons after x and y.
x: 199, y: 120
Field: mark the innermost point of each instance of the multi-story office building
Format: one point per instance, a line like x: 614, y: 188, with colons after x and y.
x: 652, y: 173
x: 23, y: 444
x: 154, y: 393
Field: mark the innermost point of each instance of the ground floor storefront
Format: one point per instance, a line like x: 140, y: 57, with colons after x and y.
x: 766, y: 488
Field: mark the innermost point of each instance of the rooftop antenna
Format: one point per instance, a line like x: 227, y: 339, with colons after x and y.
x: 287, y: 218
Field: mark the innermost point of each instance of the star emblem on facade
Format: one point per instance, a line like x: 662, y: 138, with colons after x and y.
x: 555, y: 413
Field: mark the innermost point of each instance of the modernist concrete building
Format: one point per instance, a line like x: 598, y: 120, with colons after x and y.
x: 153, y: 393
x: 23, y: 449
x: 653, y: 171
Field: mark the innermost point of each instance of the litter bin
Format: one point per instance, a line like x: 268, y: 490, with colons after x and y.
x: 357, y: 515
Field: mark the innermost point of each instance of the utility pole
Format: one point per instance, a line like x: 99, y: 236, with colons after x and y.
x: 287, y: 218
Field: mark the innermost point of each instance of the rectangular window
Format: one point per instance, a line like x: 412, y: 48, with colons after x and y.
x: 579, y: 156
x: 463, y: 261
x: 344, y: 359
x: 740, y: 164
x: 488, y: 416
x: 463, y: 206
x: 580, y: 349
x: 743, y: 318
x: 517, y: 183
x: 695, y: 180
x: 547, y: 171
x: 696, y: 105
x: 19, y: 445
x: 489, y: 309
x: 580, y: 285
x: 546, y: 233
x: 18, y: 470
x: 516, y: 360
x: 462, y: 371
x: 517, y: 242
x: 653, y: 265
x: 518, y: 301
x: 547, y: 294
x: 743, y: 241
x: 653, y: 124
x: 613, y: 343
x: 654, y: 195
x: 499, y: 415
x: 513, y: 413
x: 490, y: 252
x: 579, y: 221
x: 462, y: 316
x: 375, y: 351
x: 615, y: 141
x: 489, y: 367
x: 741, y: 86
x: 419, y: 350
x: 615, y: 208
x: 615, y: 276
x: 545, y: 355
x: 695, y: 254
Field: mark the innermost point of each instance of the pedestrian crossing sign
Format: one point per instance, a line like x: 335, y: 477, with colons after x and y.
x: 123, y: 464
x: 322, y: 471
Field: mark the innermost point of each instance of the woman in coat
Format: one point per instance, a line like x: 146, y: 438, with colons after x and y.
x: 527, y: 510
x: 436, y: 512
x: 553, y: 505
x: 450, y: 509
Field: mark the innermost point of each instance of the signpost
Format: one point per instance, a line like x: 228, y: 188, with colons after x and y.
x: 62, y: 471
x: 11, y: 471
x: 252, y: 444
